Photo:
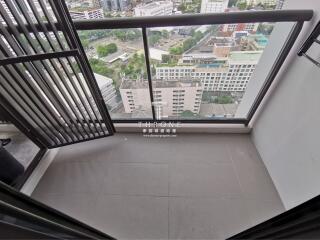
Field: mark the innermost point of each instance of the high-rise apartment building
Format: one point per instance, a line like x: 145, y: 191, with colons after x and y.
x: 171, y: 98
x: 86, y: 13
x: 83, y: 3
x: 154, y: 9
x: 249, y: 27
x: 115, y: 5
x: 213, y: 6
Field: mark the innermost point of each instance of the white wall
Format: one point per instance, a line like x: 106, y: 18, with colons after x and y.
x: 287, y: 129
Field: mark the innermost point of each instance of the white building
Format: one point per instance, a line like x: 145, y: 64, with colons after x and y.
x: 232, y: 74
x: 264, y: 2
x: 248, y: 27
x: 213, y: 6
x: 171, y: 98
x: 108, y: 91
x: 79, y: 13
x: 83, y: 3
x: 154, y: 9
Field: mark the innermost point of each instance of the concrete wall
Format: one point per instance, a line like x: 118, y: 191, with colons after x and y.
x: 286, y: 131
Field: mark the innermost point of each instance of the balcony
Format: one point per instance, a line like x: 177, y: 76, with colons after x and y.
x: 163, y: 127
x: 194, y: 186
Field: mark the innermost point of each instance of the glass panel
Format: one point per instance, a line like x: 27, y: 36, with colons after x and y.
x: 202, y: 72
x: 118, y: 61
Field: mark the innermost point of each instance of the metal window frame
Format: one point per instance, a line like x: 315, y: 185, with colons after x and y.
x: 313, y: 38
x: 11, y: 69
x: 298, y: 16
x: 143, y: 23
x: 46, y: 62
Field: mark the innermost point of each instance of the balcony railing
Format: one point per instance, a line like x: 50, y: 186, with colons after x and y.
x: 49, y: 92
x: 155, y: 85
x: 151, y: 94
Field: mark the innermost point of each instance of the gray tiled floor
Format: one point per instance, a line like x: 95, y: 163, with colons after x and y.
x: 195, y: 186
x: 22, y: 148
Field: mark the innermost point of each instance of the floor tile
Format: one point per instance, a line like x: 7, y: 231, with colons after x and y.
x: 202, y: 149
x: 203, y: 180
x: 254, y: 179
x: 72, y: 177
x: 262, y: 210
x: 99, y: 149
x: 78, y: 206
x: 137, y: 149
x: 137, y: 179
x: 217, y: 186
x: 132, y: 217
x: 206, y: 218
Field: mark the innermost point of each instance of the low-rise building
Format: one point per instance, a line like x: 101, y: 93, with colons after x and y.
x: 221, y: 46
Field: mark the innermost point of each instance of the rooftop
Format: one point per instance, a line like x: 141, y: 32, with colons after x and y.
x: 153, y: 5
x: 141, y: 84
x: 102, y: 80
x: 245, y: 56
x: 260, y: 39
x: 83, y: 9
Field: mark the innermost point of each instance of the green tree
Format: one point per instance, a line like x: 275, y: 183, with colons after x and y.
x: 120, y: 34
x: 182, y: 7
x: 198, y: 36
x: 154, y: 39
x: 112, y: 48
x: 104, y: 50
x: 232, y: 3
x: 223, y: 100
x: 189, y: 43
x: 100, y: 67
x: 85, y: 44
x: 187, y: 114
x: 135, y: 67
x: 242, y: 5
x: 165, y: 33
x: 176, y: 50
